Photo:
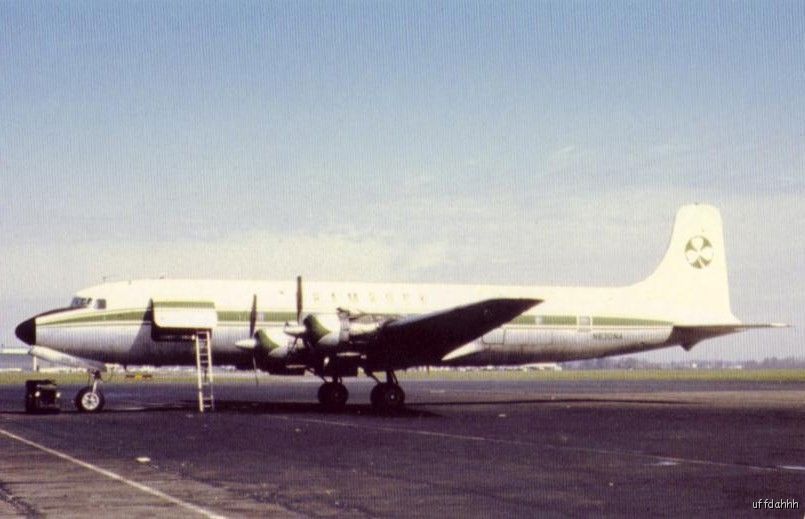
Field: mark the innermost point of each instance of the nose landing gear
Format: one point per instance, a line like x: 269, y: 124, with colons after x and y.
x: 90, y: 399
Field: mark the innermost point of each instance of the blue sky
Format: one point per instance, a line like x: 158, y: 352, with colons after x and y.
x: 502, y: 142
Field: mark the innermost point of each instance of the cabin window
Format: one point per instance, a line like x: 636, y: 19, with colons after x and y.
x: 80, y: 302
x: 100, y: 304
x: 584, y: 323
x: 584, y: 320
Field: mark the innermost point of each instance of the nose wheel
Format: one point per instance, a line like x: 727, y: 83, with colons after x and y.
x: 90, y: 399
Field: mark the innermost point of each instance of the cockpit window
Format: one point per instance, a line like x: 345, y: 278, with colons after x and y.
x: 100, y: 304
x: 80, y: 302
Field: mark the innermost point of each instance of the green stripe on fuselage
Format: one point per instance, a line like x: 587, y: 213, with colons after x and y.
x: 238, y: 317
x: 553, y: 320
x: 184, y: 304
x: 233, y: 317
x: 628, y: 321
x: 128, y: 315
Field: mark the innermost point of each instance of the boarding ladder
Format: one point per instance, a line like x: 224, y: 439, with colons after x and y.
x: 203, y: 341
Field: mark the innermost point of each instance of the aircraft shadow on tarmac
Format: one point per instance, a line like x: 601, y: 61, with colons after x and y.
x: 557, y: 401
x: 252, y: 407
x: 243, y: 407
x: 412, y: 411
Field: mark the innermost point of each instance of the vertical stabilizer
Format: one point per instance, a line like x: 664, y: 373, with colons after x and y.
x: 691, y: 280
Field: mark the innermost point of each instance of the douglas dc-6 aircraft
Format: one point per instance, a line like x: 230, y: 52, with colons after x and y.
x: 336, y: 329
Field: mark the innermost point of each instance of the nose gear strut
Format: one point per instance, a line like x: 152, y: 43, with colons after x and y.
x: 90, y: 399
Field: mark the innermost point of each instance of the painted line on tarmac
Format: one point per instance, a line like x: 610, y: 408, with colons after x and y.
x: 590, y: 450
x: 113, y: 476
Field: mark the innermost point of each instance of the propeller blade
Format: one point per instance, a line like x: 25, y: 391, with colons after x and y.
x: 298, y: 299
x: 298, y: 312
x: 252, y: 326
x: 253, y: 316
x: 254, y: 365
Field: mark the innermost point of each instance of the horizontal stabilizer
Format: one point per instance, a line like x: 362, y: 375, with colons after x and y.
x: 688, y: 336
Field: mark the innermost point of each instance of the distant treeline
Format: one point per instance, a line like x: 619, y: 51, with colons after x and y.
x: 637, y: 363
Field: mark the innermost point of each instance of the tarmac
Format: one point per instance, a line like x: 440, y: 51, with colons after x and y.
x: 461, y: 449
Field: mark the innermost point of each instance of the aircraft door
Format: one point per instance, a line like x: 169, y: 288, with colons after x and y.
x: 179, y: 320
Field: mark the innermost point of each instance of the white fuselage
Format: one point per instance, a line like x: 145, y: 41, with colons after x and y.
x: 572, y: 323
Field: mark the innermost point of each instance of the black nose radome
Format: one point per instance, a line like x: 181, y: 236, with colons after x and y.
x: 26, y: 331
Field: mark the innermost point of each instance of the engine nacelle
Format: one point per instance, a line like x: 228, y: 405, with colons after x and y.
x: 330, y: 333
x: 274, y: 350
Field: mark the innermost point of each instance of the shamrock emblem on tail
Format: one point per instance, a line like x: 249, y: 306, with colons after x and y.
x: 699, y: 252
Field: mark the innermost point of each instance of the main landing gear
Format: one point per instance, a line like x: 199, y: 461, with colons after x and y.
x: 333, y: 395
x: 387, y: 396
x: 90, y: 399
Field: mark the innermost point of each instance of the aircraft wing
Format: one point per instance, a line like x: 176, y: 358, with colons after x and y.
x: 64, y: 359
x: 14, y: 351
x: 689, y: 335
x: 422, y: 339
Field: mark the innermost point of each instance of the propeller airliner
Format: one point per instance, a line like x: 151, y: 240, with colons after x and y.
x: 335, y: 330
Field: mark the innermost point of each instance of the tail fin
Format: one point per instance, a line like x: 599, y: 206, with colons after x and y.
x: 692, y: 277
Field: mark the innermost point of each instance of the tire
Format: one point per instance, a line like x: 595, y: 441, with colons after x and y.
x: 88, y: 402
x: 387, y: 398
x: 333, y: 396
x: 376, y: 396
x: 324, y: 393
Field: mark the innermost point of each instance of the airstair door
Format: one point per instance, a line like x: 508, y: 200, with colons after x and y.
x: 184, y: 315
